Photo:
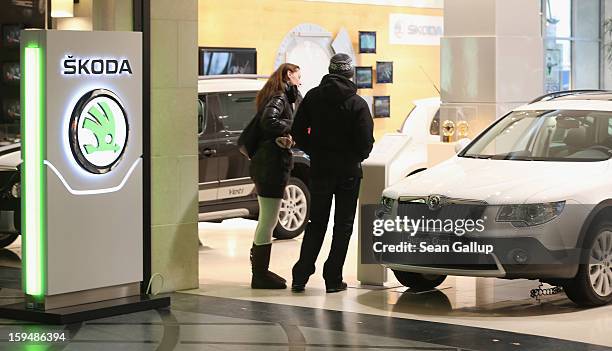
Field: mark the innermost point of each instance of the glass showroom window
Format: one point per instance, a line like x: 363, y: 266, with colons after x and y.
x: 572, y: 44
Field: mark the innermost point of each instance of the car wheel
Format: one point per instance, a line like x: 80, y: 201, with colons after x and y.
x: 294, y: 211
x: 7, y: 238
x: 592, y: 286
x: 419, y: 281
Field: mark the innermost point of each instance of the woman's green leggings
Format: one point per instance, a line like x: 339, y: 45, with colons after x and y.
x: 269, y: 209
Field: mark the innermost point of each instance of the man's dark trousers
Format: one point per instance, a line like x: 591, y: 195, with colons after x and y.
x: 322, y: 190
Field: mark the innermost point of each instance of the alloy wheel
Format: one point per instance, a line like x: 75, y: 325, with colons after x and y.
x: 600, y: 265
x: 293, y: 209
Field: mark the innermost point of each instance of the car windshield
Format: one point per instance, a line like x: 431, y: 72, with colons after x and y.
x: 552, y: 135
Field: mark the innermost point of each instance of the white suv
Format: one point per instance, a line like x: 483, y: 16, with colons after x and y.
x: 539, y: 180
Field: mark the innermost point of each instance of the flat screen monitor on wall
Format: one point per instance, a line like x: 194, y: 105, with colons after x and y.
x: 363, y: 77
x: 367, y: 42
x: 221, y: 61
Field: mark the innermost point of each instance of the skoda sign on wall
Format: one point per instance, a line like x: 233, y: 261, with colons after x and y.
x: 98, y: 131
x: 407, y: 29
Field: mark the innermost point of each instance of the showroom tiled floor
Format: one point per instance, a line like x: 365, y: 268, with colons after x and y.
x: 225, y: 314
x: 210, y: 323
x: 477, y: 302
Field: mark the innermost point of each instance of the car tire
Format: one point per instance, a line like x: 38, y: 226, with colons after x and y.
x: 7, y: 238
x: 592, y: 286
x: 295, y: 210
x: 418, y: 281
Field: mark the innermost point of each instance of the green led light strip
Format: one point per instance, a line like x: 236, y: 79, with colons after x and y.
x: 33, y: 177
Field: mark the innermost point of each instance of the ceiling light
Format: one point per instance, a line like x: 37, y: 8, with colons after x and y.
x: 62, y: 8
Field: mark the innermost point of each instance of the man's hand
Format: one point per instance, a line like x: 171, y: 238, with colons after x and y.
x: 285, y: 142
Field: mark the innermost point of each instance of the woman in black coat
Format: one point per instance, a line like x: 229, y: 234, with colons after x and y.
x: 271, y: 166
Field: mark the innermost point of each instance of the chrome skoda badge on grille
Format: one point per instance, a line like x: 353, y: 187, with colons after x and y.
x: 434, y: 202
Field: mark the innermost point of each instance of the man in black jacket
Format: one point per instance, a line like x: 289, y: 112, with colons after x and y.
x: 334, y: 126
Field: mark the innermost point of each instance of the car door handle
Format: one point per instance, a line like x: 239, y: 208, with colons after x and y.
x: 209, y: 152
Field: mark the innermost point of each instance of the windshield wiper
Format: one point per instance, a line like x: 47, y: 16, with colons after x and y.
x: 523, y: 159
x: 508, y: 156
x: 480, y: 157
x: 512, y: 156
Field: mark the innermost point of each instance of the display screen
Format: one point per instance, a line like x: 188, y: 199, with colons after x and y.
x: 367, y: 42
x: 363, y: 77
x: 382, y: 106
x: 11, y: 72
x: 10, y: 35
x: 220, y: 61
x: 384, y: 72
x: 11, y: 110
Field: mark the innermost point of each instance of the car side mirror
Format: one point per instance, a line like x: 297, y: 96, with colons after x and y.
x: 461, y: 144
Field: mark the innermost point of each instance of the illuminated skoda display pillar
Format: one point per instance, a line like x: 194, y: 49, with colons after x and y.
x: 82, y: 166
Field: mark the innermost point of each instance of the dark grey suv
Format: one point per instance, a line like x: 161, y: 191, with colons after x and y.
x: 226, y: 105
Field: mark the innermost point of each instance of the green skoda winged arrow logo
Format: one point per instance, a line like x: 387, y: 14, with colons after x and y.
x: 103, y: 128
x: 98, y: 131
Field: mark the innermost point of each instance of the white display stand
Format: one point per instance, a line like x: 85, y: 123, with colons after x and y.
x: 394, y: 157
x: 382, y: 168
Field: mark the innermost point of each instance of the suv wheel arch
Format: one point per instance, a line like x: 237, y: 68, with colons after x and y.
x: 602, y: 211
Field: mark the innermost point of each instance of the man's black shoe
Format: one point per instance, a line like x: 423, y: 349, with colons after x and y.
x: 298, y: 287
x: 336, y: 288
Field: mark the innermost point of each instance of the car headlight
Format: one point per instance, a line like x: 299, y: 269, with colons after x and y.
x: 529, y: 215
x: 386, y: 205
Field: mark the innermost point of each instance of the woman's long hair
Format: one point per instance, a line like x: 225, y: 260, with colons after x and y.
x: 275, y: 84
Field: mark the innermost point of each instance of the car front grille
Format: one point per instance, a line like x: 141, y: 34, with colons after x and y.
x: 452, y: 209
x: 448, y: 209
